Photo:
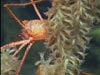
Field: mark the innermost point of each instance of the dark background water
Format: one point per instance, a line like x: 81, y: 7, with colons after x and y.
x: 10, y: 31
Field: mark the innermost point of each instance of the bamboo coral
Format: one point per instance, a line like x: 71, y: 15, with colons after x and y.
x: 9, y: 64
x: 69, y: 24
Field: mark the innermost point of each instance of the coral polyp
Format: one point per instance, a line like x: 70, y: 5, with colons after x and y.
x: 9, y: 64
x: 69, y: 23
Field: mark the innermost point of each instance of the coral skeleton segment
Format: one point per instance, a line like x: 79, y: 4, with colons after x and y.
x: 69, y: 23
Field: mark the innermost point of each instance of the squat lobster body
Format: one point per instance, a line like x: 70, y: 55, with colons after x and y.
x: 35, y: 29
x: 32, y: 30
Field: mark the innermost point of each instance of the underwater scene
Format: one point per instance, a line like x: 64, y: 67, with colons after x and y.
x: 50, y: 37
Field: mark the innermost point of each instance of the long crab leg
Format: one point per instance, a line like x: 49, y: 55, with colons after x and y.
x: 12, y: 44
x: 20, y: 48
x: 23, y: 59
x: 23, y: 4
x: 86, y: 73
x: 36, y: 9
x: 13, y: 15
